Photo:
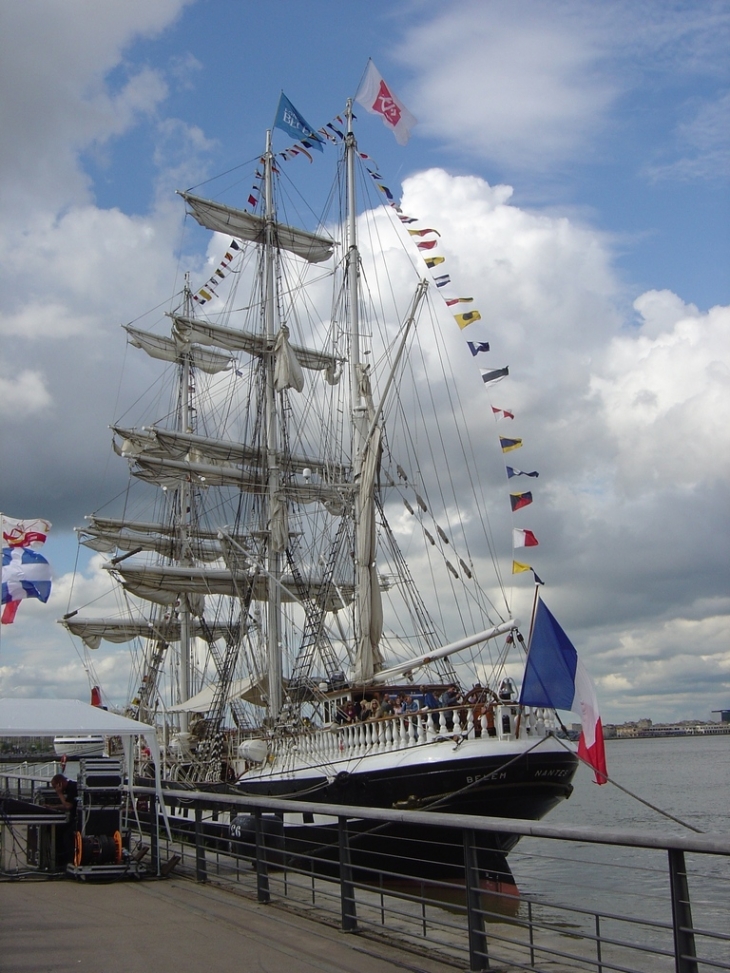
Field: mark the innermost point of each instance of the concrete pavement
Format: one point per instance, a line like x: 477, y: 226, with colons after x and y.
x: 175, y: 926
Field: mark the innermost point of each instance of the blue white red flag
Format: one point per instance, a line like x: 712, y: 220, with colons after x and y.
x: 555, y: 678
x: 26, y: 574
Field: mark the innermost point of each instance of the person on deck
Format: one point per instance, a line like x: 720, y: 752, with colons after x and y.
x: 410, y: 705
x: 429, y: 699
x: 449, y: 698
x: 67, y: 792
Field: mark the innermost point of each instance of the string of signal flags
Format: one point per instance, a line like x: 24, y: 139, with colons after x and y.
x: 378, y: 99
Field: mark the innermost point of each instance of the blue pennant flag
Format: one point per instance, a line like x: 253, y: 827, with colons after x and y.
x: 289, y: 120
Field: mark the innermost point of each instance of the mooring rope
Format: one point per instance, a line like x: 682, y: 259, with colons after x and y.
x: 636, y: 797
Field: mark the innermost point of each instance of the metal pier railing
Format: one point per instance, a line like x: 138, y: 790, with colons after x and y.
x: 583, y: 899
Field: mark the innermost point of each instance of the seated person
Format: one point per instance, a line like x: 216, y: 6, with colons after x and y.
x: 66, y: 790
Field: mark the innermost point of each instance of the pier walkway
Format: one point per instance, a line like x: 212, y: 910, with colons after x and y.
x: 175, y: 926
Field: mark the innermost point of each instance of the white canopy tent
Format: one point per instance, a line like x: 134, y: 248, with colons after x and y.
x: 69, y: 717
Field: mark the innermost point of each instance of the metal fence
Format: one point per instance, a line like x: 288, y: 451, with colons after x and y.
x: 582, y: 899
x: 585, y: 898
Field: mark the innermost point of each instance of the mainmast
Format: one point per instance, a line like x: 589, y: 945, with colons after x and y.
x: 359, y: 421
x: 365, y: 449
x: 273, y: 565
x: 184, y: 512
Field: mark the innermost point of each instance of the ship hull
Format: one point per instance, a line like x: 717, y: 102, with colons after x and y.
x: 74, y: 747
x: 523, y: 785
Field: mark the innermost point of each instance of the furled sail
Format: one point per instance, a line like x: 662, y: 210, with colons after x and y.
x: 245, y: 226
x: 166, y: 349
x: 287, y: 370
x: 93, y: 630
x: 102, y: 524
x: 163, y: 472
x: 163, y: 584
x: 253, y: 689
x: 167, y: 547
x: 188, y: 330
x: 168, y: 443
x: 370, y: 610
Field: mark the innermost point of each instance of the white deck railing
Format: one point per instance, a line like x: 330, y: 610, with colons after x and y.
x: 502, y: 721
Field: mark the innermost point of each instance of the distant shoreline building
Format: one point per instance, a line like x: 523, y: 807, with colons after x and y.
x: 646, y: 728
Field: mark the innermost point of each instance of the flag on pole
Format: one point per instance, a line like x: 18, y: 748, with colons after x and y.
x: 467, y: 318
x: 519, y: 500
x: 26, y: 574
x: 290, y: 121
x: 24, y: 533
x: 523, y: 538
x: 518, y: 567
x: 377, y: 98
x: 555, y: 677
x: 494, y: 374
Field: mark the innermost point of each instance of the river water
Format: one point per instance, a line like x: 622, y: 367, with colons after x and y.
x: 688, y: 777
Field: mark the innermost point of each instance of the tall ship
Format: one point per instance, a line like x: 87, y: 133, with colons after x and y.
x: 303, y: 563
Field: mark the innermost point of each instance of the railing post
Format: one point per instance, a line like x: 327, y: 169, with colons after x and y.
x: 154, y: 833
x: 262, y: 867
x: 347, y: 888
x: 478, y: 955
x: 685, y: 957
x: 201, y: 873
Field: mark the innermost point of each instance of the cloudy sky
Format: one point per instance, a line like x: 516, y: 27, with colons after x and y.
x: 575, y: 156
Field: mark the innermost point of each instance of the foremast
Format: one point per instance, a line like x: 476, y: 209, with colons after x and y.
x: 184, y: 524
x: 276, y: 504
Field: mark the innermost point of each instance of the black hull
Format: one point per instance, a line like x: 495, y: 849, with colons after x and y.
x: 388, y: 853
x: 490, y: 786
x: 527, y: 788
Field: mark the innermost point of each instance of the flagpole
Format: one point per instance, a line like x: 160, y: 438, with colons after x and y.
x: 2, y: 538
x: 534, y: 610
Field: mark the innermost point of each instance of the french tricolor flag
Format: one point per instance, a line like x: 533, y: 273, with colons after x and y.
x: 555, y: 678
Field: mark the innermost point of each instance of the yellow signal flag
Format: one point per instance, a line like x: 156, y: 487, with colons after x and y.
x: 467, y: 318
x: 518, y: 567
